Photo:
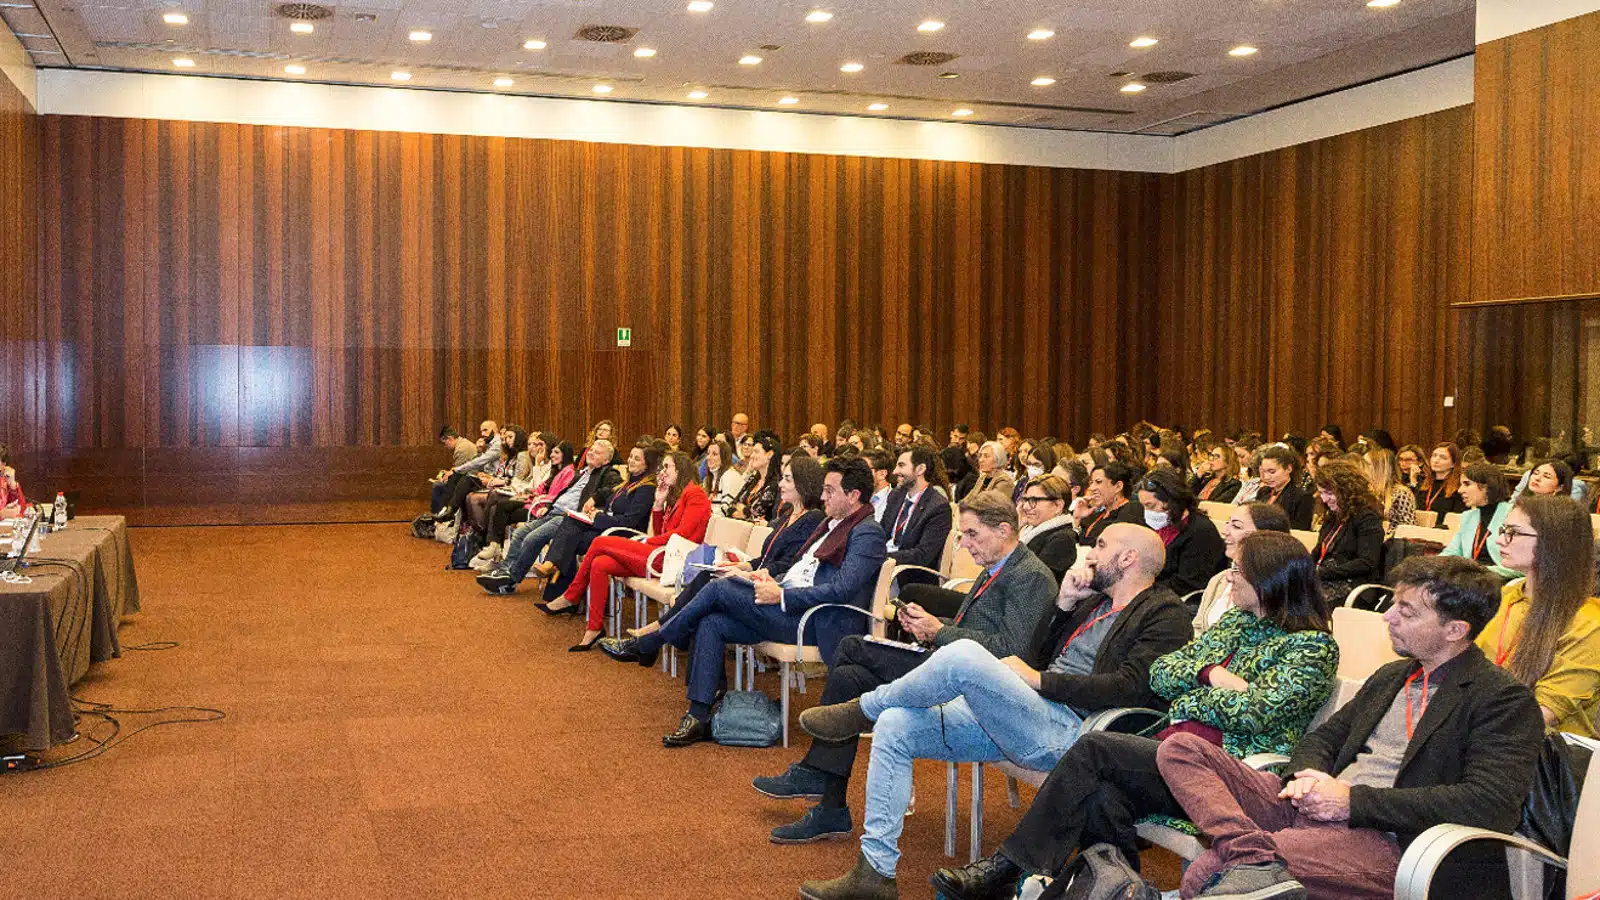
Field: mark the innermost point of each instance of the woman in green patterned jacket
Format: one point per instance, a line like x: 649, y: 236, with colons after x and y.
x: 1250, y: 684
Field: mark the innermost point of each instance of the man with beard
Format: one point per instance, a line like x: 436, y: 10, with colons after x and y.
x: 1092, y: 652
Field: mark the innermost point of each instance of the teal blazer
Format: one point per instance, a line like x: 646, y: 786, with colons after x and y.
x: 1461, y: 543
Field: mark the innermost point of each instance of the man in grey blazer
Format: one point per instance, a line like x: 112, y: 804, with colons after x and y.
x: 1012, y: 594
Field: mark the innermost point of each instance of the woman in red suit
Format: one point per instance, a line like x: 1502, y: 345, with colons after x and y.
x: 681, y: 507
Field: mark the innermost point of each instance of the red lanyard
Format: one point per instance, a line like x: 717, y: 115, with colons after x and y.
x: 1089, y: 624
x: 1407, y: 689
x: 1432, y: 496
x: 1328, y: 544
x: 1483, y: 538
x: 1501, y: 654
x: 1273, y: 498
x: 1090, y: 527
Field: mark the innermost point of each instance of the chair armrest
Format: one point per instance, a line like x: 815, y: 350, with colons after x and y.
x: 1263, y: 761
x: 954, y: 583
x: 1192, y: 595
x: 1430, y: 849
x: 633, y: 534
x: 800, y: 630
x: 907, y: 567
x: 1350, y: 600
x: 1134, y: 716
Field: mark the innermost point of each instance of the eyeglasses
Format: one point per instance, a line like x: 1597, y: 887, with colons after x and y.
x: 1511, y: 532
x: 1032, y: 500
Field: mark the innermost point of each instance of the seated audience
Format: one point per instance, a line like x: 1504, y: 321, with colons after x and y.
x: 1361, y: 786
x: 1440, y: 488
x: 11, y: 499
x: 955, y: 455
x: 570, y: 490
x: 680, y: 508
x: 964, y: 705
x: 1195, y: 551
x: 1107, y: 502
x: 1279, y: 469
x: 1246, y: 520
x: 1349, y: 549
x: 453, y: 486
x: 1547, y: 632
x: 628, y: 507
x: 673, y: 437
x: 1549, y: 478
x: 1038, y: 460
x: 1488, y: 499
x: 702, y: 439
x: 881, y: 462
x: 989, y: 472
x: 917, y: 514
x: 999, y: 614
x: 720, y: 478
x: 1219, y: 481
x: 602, y: 432
x: 540, y: 443
x: 1397, y: 504
x: 757, y: 500
x: 1047, y: 524
x: 505, y: 494
x: 1076, y: 474
x: 838, y: 565
x: 1333, y: 433
x: 1250, y: 685
x: 1412, y: 471
x: 462, y: 450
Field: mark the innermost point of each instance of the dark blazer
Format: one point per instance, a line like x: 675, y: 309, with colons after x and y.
x: 955, y: 463
x: 1152, y: 625
x: 1131, y: 513
x: 1470, y: 761
x: 1355, y: 551
x: 1443, y: 503
x: 628, y: 506
x: 1194, y: 556
x: 784, y: 545
x: 1295, y: 503
x: 851, y: 582
x: 1224, y: 492
x: 1057, y: 549
x: 600, y: 486
x: 1001, y: 615
x: 922, y: 541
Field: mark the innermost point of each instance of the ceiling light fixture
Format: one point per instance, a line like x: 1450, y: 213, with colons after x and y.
x: 750, y: 60
x: 698, y: 95
x: 175, y: 18
x: 295, y: 69
x: 400, y: 76
x: 963, y: 112
x: 1381, y: 4
x: 183, y: 62
x: 818, y: 16
x: 534, y: 44
x: 1139, y: 43
x: 877, y: 107
x: 302, y: 27
x: 700, y: 6
x: 1132, y: 87
x: 421, y: 36
x: 602, y: 89
x: 788, y: 101
x: 948, y: 75
x: 1041, y: 34
x: 1242, y: 50
x: 930, y: 26
x: 645, y: 52
x: 851, y: 68
x: 503, y: 82
x: 1042, y: 81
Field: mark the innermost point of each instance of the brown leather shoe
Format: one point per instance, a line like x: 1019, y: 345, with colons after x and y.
x: 544, y: 570
x: 860, y: 883
x: 836, y: 722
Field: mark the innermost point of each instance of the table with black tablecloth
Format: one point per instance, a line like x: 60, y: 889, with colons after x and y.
x: 52, y: 629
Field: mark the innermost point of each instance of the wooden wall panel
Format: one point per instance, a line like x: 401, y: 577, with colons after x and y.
x: 1312, y: 284
x: 19, y: 355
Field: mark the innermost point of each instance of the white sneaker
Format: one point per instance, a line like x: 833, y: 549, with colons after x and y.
x: 488, y: 552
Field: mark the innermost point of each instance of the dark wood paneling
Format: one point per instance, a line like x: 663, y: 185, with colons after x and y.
x: 19, y: 174
x: 1312, y: 284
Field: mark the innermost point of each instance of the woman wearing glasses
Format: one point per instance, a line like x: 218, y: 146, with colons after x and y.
x: 1488, y: 500
x: 1195, y: 551
x: 1547, y: 633
x: 1046, y: 524
x: 1220, y: 482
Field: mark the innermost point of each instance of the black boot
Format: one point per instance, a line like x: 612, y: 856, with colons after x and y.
x: 991, y: 878
x: 690, y: 731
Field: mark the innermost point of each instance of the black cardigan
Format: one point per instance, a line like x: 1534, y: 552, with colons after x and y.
x: 1352, y: 550
x: 784, y: 545
x: 1295, y: 503
x: 1057, y: 549
x: 1130, y: 513
x: 1224, y: 492
x: 1196, y: 554
x: 1443, y: 503
x: 1152, y: 625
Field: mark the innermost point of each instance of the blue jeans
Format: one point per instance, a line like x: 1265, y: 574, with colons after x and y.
x: 962, y: 705
x: 526, y: 543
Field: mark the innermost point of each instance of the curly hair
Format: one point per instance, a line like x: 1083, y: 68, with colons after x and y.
x: 1352, y: 491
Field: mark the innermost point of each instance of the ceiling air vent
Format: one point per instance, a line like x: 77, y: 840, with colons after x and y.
x: 606, y: 34
x: 926, y: 58
x: 305, y: 12
x: 1167, y: 77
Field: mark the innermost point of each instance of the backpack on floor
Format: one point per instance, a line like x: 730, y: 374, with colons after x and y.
x: 422, y: 526
x: 1097, y: 873
x: 466, y: 547
x: 747, y: 719
x: 446, y: 532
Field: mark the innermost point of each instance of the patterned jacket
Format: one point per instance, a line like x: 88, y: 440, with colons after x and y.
x: 1290, y: 674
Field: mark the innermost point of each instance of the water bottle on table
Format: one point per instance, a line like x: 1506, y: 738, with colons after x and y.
x: 60, y: 511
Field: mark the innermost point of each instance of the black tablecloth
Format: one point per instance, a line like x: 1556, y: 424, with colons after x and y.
x: 53, y: 629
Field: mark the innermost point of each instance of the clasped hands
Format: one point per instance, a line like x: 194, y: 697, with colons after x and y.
x: 769, y: 591
x: 1318, y: 796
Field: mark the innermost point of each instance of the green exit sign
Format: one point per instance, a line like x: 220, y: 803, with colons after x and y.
x: 624, y: 337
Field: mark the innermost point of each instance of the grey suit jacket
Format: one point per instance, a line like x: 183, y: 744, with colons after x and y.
x: 1003, y: 615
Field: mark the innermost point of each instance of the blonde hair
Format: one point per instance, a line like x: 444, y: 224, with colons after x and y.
x: 1383, y: 471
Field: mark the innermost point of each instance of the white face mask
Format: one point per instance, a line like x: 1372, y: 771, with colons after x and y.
x: 1156, y: 520
x: 1035, y: 471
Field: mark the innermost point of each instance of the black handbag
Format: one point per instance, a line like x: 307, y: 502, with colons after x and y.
x: 1551, y: 810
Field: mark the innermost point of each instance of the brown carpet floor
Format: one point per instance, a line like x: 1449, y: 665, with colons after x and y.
x: 394, y: 732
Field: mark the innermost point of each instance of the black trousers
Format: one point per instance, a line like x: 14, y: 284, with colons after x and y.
x: 858, y: 667
x: 502, y: 515
x: 1101, y: 787
x: 571, y: 541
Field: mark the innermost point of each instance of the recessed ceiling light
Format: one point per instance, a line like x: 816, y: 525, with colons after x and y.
x: 503, y: 82
x: 1132, y: 87
x: 788, y: 101
x: 700, y: 5
x: 963, y: 112
x: 698, y: 95
x: 750, y: 60
x: 1139, y: 43
x: 1380, y: 4
x: 878, y: 107
x: 421, y: 36
x: 295, y: 69
x: 183, y: 62
x: 645, y: 52
x: 602, y: 89
x: 949, y: 74
x: 1041, y: 34
x: 930, y: 26
x: 534, y: 44
x: 1244, y: 50
x: 302, y: 27
x: 818, y: 16
x: 1042, y: 81
x: 852, y: 68
x: 400, y: 76
x: 175, y: 18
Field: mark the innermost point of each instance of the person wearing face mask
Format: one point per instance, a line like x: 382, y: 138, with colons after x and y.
x: 1278, y: 468
x: 1195, y: 550
x: 1488, y: 499
x: 1547, y: 631
x: 1037, y: 460
x: 1246, y: 520
x: 1107, y: 501
x: 1349, y: 547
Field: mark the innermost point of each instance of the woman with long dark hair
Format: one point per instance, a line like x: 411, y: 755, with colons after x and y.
x: 1440, y: 490
x: 1488, y: 499
x: 1195, y: 551
x: 1349, y: 547
x: 720, y: 478
x: 758, y: 499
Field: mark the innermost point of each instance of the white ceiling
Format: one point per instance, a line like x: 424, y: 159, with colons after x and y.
x: 1307, y: 48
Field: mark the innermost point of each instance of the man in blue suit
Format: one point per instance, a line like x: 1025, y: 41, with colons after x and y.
x: 838, y: 566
